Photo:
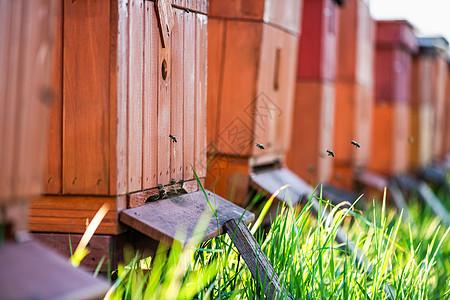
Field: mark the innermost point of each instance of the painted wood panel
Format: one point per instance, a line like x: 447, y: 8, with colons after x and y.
x: 135, y: 94
x: 151, y: 73
x: 201, y: 73
x: 86, y: 97
x: 177, y: 99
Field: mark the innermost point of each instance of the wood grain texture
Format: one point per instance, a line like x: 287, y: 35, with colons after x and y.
x: 86, y: 97
x: 118, y: 78
x: 177, y: 99
x: 176, y: 218
x: 258, y: 263
x: 189, y: 82
x: 151, y: 73
x: 32, y: 274
x: 10, y: 31
x: 270, y: 181
x: 201, y: 73
x: 53, y: 175
x: 135, y: 94
x: 71, y: 214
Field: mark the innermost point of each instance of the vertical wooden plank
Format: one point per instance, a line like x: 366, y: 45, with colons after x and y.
x: 176, y: 114
x: 189, y: 81
x: 118, y: 97
x: 201, y: 38
x: 216, y: 48
x: 151, y: 67
x: 9, y: 55
x: 52, y: 178
x: 86, y: 97
x: 164, y: 84
x: 135, y: 93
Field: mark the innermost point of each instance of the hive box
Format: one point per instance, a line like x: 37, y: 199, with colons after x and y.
x: 396, y: 44
x: 428, y: 102
x: 251, y: 69
x: 122, y: 88
x: 315, y: 92
x: 354, y: 91
x: 447, y: 113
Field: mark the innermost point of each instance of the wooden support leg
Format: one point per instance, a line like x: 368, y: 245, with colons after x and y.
x: 256, y: 260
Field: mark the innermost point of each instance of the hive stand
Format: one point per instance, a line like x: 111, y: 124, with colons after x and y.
x: 28, y: 269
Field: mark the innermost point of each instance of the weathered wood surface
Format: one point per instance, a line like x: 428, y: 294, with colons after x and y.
x: 258, y: 263
x: 52, y: 277
x: 163, y: 219
x: 72, y: 214
x: 270, y: 181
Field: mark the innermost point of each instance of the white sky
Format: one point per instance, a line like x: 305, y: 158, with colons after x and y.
x: 429, y: 17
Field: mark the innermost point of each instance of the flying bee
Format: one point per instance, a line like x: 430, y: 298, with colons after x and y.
x: 174, y: 139
x: 355, y: 144
x: 260, y: 146
x: 330, y: 153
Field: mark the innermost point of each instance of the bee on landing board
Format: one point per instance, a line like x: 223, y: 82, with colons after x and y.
x: 330, y: 153
x: 355, y: 144
x: 174, y: 139
x: 260, y: 146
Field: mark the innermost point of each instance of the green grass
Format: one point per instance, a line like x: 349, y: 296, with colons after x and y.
x: 412, y: 260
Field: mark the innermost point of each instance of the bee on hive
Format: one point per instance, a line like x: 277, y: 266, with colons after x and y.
x: 260, y: 146
x: 330, y: 153
x: 355, y: 144
x: 174, y: 139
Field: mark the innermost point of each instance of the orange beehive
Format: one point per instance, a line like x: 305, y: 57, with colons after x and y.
x: 29, y: 270
x: 354, y: 91
x: 396, y: 44
x: 428, y: 102
x: 251, y: 70
x: 122, y: 88
x: 315, y: 92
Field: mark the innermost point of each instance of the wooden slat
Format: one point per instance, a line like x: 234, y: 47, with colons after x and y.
x: 27, y: 265
x: 163, y: 219
x: 164, y: 140
x: 52, y: 177
x: 177, y: 99
x: 216, y: 47
x: 118, y: 95
x: 201, y: 73
x: 135, y: 93
x: 71, y: 213
x: 258, y: 263
x: 189, y: 82
x: 10, y: 31
x: 151, y: 73
x: 86, y: 97
x: 270, y: 181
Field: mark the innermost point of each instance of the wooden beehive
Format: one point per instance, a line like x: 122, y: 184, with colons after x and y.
x: 122, y: 88
x: 315, y: 92
x: 396, y: 44
x: 447, y: 114
x: 354, y: 92
x: 428, y: 102
x: 29, y: 270
x: 251, y: 64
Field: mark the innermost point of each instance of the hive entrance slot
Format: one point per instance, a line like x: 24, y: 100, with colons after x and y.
x: 164, y: 69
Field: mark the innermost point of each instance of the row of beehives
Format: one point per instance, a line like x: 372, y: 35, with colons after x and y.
x: 351, y: 79
x: 297, y: 77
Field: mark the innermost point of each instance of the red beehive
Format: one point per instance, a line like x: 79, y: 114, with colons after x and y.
x: 428, y: 102
x: 122, y: 88
x: 447, y: 113
x: 314, y: 99
x: 396, y: 44
x: 354, y: 91
x: 252, y: 54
